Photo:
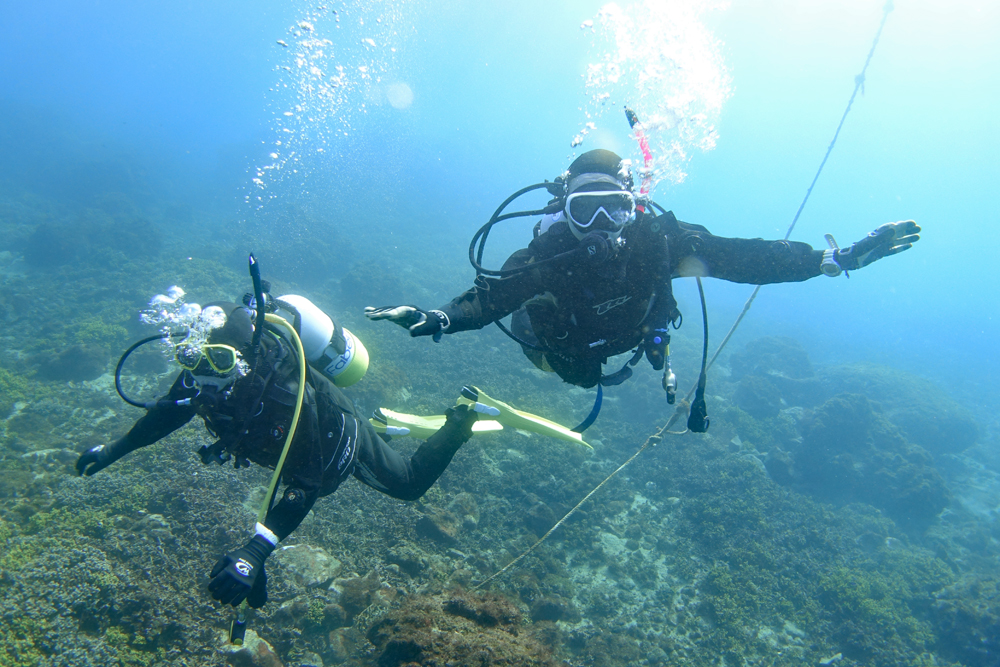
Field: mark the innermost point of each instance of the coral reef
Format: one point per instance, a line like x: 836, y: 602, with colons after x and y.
x: 367, y: 284
x: 850, y: 453
x: 812, y: 525
x: 772, y: 355
x: 925, y: 415
x: 457, y: 628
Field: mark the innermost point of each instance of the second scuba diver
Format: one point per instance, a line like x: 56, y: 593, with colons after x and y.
x: 245, y: 388
x: 596, y: 279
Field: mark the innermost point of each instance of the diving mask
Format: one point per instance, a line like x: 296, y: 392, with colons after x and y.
x: 603, y: 210
x: 223, y: 359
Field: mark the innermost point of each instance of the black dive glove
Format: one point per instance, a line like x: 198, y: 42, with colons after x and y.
x: 94, y: 460
x: 240, y: 574
x: 418, y: 322
x: 889, y: 239
x: 460, y: 418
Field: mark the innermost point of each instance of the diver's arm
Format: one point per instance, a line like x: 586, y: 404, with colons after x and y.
x: 158, y: 423
x: 493, y: 298
x: 293, y: 507
x: 155, y: 425
x: 754, y: 261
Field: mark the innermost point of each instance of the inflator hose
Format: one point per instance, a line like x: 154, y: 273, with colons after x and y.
x: 237, y: 629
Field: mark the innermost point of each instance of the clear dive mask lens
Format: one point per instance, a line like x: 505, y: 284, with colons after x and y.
x: 585, y: 209
x: 222, y: 358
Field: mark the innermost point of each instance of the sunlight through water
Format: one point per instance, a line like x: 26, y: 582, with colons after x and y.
x: 658, y: 58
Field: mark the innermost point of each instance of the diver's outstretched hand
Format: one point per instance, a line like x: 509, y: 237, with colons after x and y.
x: 418, y: 322
x: 240, y: 574
x: 889, y: 239
x: 93, y: 460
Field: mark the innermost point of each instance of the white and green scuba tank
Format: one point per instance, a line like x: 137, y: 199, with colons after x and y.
x: 330, y: 348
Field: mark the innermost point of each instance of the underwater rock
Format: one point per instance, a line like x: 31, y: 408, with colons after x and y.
x: 966, y: 617
x: 465, y: 507
x: 356, y: 593
x: 554, y: 609
x: 334, y: 617
x: 292, y: 612
x: 539, y: 518
x: 771, y: 355
x: 156, y: 528
x: 113, y: 227
x: 851, y: 453
x: 924, y: 413
x: 255, y: 652
x: 310, y: 659
x: 758, y: 397
x: 438, y: 525
x: 486, y: 609
x: 457, y: 629
x: 409, y: 560
x: 774, y: 368
x: 340, y: 644
x: 367, y: 283
x: 50, y: 245
x: 78, y: 363
x: 309, y: 565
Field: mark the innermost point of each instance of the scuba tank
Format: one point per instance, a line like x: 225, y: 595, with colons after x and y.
x: 329, y: 348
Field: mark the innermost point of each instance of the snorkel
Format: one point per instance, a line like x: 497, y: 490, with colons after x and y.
x: 258, y: 305
x: 647, y: 155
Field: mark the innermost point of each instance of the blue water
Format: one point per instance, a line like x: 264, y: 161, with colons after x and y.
x: 442, y: 109
x: 184, y: 93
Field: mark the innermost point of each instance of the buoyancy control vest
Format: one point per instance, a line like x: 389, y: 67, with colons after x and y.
x: 602, y: 309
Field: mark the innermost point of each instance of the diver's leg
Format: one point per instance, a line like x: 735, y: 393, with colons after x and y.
x: 383, y: 468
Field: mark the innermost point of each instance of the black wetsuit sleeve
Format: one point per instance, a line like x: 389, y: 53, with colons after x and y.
x: 493, y: 298
x: 293, y: 507
x: 383, y: 468
x: 753, y: 261
x: 157, y: 423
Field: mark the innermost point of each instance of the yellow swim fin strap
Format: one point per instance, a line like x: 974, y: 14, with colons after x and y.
x: 515, y: 418
x: 266, y: 505
x: 399, y: 423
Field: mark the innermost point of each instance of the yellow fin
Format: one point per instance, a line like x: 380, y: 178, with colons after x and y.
x: 526, y: 421
x: 422, y: 428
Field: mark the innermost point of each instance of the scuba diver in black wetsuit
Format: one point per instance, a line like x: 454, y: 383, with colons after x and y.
x: 250, y: 409
x: 596, y: 279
